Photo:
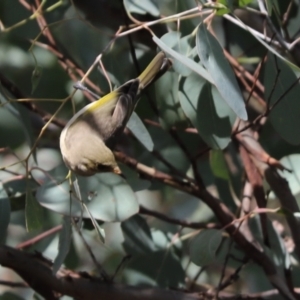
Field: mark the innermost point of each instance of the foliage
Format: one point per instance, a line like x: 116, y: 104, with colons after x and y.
x: 207, y: 205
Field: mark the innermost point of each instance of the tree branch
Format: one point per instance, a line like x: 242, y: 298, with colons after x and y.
x: 37, y: 272
x: 222, y: 213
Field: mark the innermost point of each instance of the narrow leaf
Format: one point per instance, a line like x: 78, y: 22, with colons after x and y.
x: 142, y: 7
x: 170, y: 112
x: 4, y: 214
x: 285, y: 116
x: 212, y: 57
x: 218, y: 164
x: 137, y: 234
x: 64, y: 244
x: 34, y: 212
x: 181, y: 45
x: 184, y: 60
x: 138, y: 129
x: 213, y: 118
x: 204, y: 246
x: 106, y: 195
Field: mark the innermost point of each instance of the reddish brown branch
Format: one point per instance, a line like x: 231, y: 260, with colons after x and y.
x: 183, y: 223
x: 258, y: 159
x: 39, y: 237
x: 256, y: 181
x: 222, y: 213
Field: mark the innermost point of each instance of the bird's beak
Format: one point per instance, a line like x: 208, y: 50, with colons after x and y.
x: 117, y: 170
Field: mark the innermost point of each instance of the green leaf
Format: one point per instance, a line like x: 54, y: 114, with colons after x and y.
x: 248, y: 60
x: 15, y: 118
x: 211, y: 116
x: 152, y: 255
x: 281, y: 256
x: 267, y: 45
x: 234, y: 3
x: 170, y: 112
x: 4, y: 213
x: 224, y: 6
x: 10, y: 296
x: 191, y: 64
x: 132, y: 178
x: 137, y: 235
x: 292, y: 162
x: 285, y: 116
x: 204, y: 246
x: 36, y: 78
x: 16, y: 188
x: 142, y: 7
x: 107, y: 196
x: 212, y: 57
x: 138, y: 129
x: 222, y: 11
x: 34, y: 212
x: 72, y: 260
x: 242, y: 3
x: 218, y: 164
x: 99, y: 230
x: 64, y: 244
x: 163, y: 267
x: 181, y: 45
x: 269, y: 6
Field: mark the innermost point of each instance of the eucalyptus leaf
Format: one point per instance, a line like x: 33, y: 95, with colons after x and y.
x: 138, y: 239
x: 16, y: 188
x: 170, y: 112
x: 142, y: 7
x: 4, y: 213
x: 64, y: 244
x: 211, y: 116
x: 181, y: 45
x: 191, y: 64
x: 281, y: 256
x: 204, y: 246
x: 107, y: 196
x: 212, y: 57
x: 150, y: 252
x: 36, y: 77
x: 15, y: 115
x: 218, y: 164
x: 138, y: 129
x: 292, y: 162
x: 269, y: 6
x: 34, y: 212
x: 10, y: 296
x: 285, y: 116
x: 162, y: 266
x: 133, y: 179
x: 267, y: 45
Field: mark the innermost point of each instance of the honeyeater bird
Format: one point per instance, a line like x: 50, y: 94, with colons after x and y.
x: 87, y: 140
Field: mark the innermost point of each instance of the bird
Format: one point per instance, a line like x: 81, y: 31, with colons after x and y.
x: 87, y: 140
